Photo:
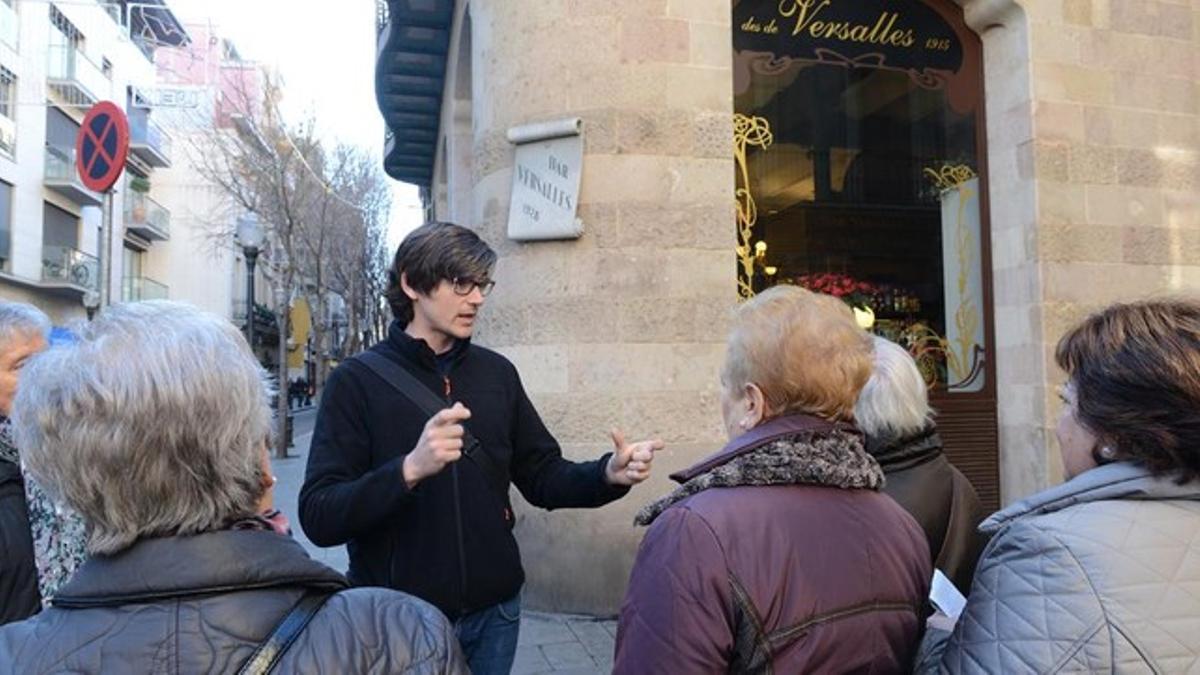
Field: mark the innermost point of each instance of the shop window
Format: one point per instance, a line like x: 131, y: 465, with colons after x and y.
x: 859, y: 151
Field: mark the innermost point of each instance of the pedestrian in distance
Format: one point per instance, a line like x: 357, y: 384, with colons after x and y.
x: 418, y: 440
x: 24, y: 331
x: 893, y: 411
x: 1101, y: 573
x: 154, y: 425
x: 779, y: 553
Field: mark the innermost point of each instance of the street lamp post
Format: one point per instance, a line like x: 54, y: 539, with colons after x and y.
x: 250, y: 236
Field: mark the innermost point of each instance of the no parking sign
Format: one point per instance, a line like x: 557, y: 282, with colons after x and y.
x: 102, y: 146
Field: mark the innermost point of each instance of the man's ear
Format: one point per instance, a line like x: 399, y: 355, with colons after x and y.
x: 408, y: 290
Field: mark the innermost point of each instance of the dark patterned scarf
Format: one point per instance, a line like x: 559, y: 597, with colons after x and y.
x: 833, y: 459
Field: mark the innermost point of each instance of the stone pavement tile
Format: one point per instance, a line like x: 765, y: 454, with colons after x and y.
x: 567, y: 655
x: 543, y: 629
x: 530, y: 661
x: 611, y: 627
x: 593, y: 636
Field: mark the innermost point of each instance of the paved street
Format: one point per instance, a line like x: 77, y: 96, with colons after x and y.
x: 550, y: 643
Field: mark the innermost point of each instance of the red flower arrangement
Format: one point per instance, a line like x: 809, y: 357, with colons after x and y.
x: 854, y: 292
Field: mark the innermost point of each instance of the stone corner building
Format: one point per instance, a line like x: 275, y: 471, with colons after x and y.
x: 979, y: 173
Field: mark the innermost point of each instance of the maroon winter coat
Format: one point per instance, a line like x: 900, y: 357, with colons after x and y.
x: 778, y: 554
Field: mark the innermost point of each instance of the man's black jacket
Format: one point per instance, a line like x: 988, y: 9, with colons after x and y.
x: 449, y: 540
x: 18, y: 574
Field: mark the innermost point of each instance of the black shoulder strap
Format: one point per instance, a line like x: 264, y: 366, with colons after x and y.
x: 266, y: 657
x: 423, y: 397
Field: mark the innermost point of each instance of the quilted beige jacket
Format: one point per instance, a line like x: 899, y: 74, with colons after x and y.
x: 1100, y: 574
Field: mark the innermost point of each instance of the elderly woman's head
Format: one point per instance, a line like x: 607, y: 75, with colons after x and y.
x: 152, y: 424
x: 1133, y: 388
x: 24, y: 330
x: 895, y: 402
x: 792, y: 351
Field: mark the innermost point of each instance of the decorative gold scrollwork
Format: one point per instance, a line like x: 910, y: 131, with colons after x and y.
x: 962, y: 360
x: 747, y: 131
x: 950, y: 176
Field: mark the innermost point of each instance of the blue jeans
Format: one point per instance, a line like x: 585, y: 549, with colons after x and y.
x: 489, y: 637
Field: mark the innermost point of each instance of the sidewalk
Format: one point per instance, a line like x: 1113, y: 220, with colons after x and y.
x: 549, y: 643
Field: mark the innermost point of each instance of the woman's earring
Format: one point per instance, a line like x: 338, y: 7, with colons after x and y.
x: 742, y: 424
x: 1107, y: 452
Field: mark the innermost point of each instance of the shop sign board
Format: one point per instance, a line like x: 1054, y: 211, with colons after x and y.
x: 545, y: 187
x: 166, y: 97
x: 904, y: 35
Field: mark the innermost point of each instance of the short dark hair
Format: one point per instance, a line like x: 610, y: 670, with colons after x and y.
x: 1136, y: 372
x: 430, y: 254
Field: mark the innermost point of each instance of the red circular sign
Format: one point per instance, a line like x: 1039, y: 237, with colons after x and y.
x: 102, y: 146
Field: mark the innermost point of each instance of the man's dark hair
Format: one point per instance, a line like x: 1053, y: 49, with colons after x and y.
x: 1136, y: 371
x: 430, y: 254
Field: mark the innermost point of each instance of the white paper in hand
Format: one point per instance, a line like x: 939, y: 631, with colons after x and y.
x: 945, y: 596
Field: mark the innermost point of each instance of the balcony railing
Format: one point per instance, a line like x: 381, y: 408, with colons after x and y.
x: 62, y: 177
x: 73, y: 75
x: 9, y: 23
x: 146, y: 217
x: 149, y: 141
x: 136, y: 289
x: 65, y: 265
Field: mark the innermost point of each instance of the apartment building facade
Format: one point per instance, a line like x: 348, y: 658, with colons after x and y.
x: 56, y: 61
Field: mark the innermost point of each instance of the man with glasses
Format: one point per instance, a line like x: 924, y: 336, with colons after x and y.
x: 419, y: 493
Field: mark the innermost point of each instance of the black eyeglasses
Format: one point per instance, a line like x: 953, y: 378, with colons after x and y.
x: 465, y: 286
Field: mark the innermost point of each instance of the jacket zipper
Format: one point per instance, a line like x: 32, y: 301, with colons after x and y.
x: 458, y: 525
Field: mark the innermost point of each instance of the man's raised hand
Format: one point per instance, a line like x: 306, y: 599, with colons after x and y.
x: 440, y: 444
x: 630, y: 462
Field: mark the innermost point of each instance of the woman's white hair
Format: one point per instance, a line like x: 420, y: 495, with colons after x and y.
x: 895, y: 402
x: 151, y: 424
x: 20, y: 319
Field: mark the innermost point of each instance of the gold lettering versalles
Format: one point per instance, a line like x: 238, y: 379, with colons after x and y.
x: 883, y: 32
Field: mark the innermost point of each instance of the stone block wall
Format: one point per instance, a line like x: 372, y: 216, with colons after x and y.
x: 1116, y: 158
x: 623, y: 327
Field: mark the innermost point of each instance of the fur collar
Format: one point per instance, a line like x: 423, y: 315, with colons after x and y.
x: 832, y: 458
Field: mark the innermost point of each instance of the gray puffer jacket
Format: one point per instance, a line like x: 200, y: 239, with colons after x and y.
x: 203, y: 604
x: 1100, y: 574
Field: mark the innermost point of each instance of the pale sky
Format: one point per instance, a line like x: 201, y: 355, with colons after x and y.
x: 325, y: 52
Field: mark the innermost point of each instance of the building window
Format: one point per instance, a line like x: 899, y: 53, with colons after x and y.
x: 8, y: 111
x: 106, y: 67
x: 9, y: 24
x: 6, y: 191
x: 66, y: 30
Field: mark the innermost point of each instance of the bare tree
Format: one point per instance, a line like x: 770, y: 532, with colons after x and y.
x: 324, y: 214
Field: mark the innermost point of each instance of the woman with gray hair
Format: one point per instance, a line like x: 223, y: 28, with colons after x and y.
x: 154, y: 427
x: 23, y: 332
x: 893, y: 411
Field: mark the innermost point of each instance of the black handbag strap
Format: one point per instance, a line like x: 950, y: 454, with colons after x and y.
x: 424, y: 398
x: 266, y: 657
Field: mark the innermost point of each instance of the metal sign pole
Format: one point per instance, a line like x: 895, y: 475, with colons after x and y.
x: 106, y: 254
